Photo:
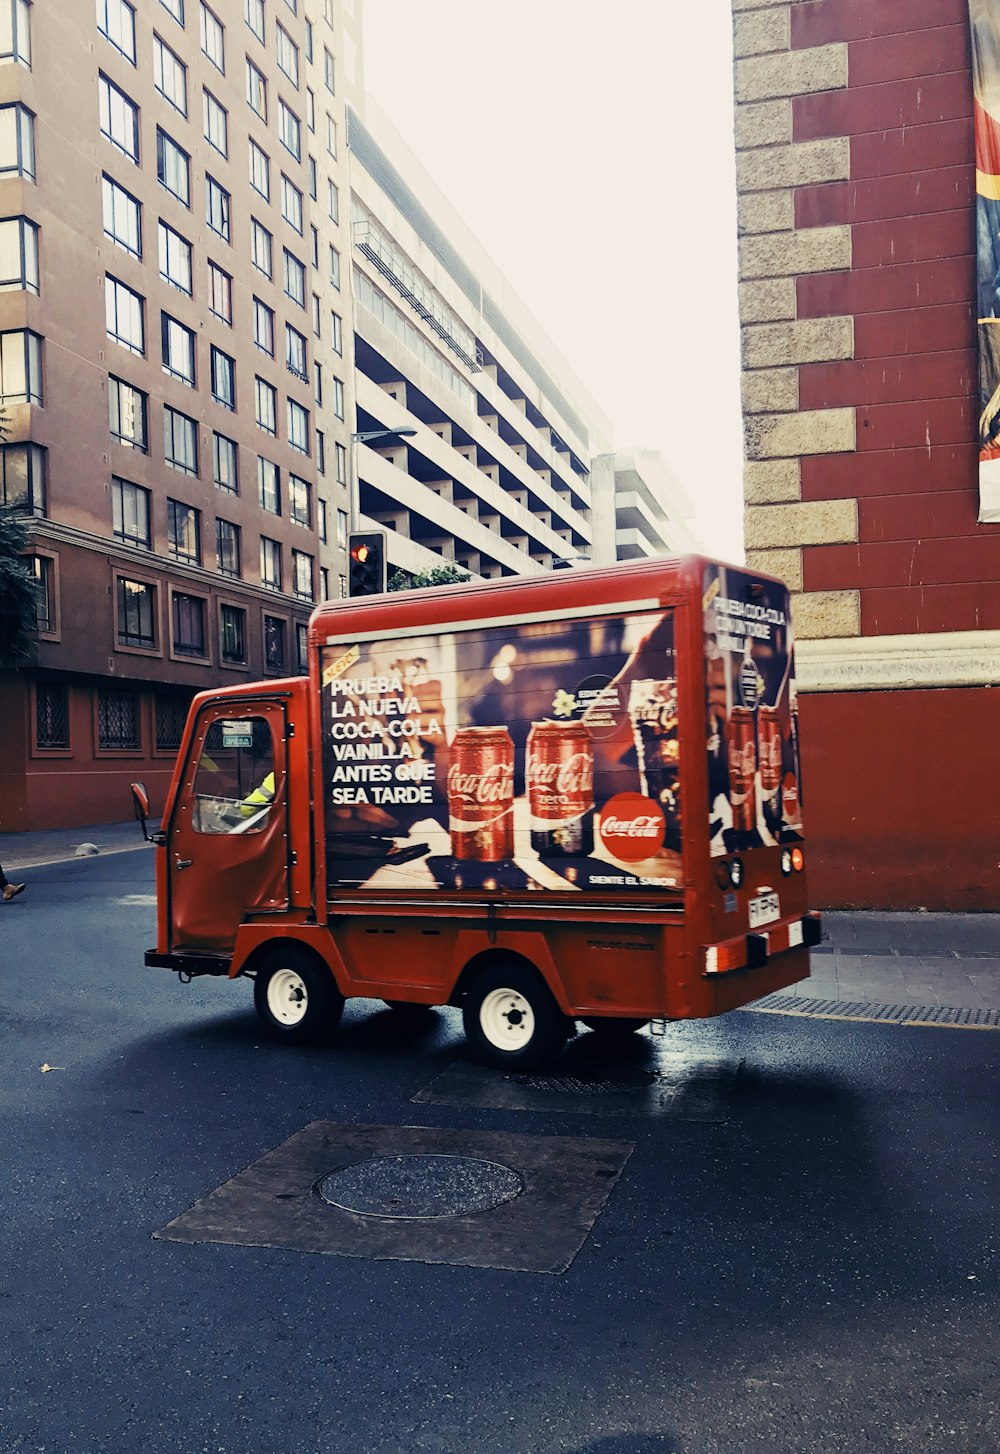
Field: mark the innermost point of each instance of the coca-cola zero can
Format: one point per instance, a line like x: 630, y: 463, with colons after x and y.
x: 481, y: 794
x: 560, y: 782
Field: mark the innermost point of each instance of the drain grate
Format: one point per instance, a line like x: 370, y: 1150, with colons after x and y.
x: 798, y: 1005
x: 588, y: 1083
x: 409, y: 1188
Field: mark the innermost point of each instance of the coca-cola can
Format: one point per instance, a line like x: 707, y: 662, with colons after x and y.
x: 560, y: 782
x: 742, y: 769
x: 652, y: 710
x: 769, y: 748
x: 481, y: 794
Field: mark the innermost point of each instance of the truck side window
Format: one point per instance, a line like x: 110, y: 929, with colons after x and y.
x: 235, y: 782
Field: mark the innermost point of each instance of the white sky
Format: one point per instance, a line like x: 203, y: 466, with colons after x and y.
x: 589, y: 148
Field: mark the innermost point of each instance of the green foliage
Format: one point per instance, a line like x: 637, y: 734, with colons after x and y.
x: 440, y: 575
x: 18, y: 593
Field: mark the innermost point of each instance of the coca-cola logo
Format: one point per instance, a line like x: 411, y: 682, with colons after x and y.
x: 743, y: 760
x: 495, y: 784
x: 632, y: 827
x: 574, y: 775
x: 790, y: 797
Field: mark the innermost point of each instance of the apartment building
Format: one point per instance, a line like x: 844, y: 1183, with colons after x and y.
x: 175, y: 368
x: 640, y: 504
x: 480, y: 436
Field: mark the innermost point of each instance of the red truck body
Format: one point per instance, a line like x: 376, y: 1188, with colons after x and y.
x: 566, y: 797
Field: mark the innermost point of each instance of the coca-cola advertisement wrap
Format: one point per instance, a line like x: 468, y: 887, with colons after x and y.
x: 508, y: 758
x: 752, y: 729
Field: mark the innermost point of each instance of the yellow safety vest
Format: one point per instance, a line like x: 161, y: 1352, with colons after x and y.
x: 262, y: 796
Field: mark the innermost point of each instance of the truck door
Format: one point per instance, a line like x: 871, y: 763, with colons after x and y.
x: 227, y: 838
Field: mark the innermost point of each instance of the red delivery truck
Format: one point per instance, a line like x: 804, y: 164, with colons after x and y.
x: 566, y: 797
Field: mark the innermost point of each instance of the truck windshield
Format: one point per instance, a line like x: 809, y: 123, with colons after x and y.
x: 235, y: 784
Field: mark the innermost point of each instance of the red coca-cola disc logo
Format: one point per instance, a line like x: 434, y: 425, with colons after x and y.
x: 632, y: 827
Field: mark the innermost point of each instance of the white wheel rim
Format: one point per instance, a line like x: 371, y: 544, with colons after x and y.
x: 287, y: 997
x: 507, y: 1019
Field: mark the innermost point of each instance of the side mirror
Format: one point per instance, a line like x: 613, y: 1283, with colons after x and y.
x: 140, y: 804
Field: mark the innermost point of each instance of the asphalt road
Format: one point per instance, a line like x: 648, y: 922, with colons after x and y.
x: 816, y: 1269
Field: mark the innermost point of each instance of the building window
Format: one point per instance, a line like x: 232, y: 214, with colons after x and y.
x: 328, y: 75
x: 270, y: 563
x: 298, y: 427
x: 117, y: 719
x: 171, y: 715
x: 335, y: 271
x: 295, y: 352
x: 260, y: 171
x: 119, y: 118
x: 274, y: 643
x: 127, y: 414
x: 23, y: 478
x: 256, y: 91
x: 266, y: 406
x: 232, y: 634
x: 227, y: 548
x: 333, y: 201
x: 300, y: 501
x: 290, y: 130
x: 318, y: 384
x: 216, y: 119
x: 313, y: 179
x: 302, y: 575
x: 170, y: 76
x: 321, y: 511
x: 302, y: 646
x: 220, y: 293
x: 184, y: 531
x: 44, y: 571
x: 178, y: 350
x: 341, y: 465
x: 51, y: 715
x: 17, y: 141
x: 136, y: 613
x: 338, y: 398
x: 223, y: 378
x: 173, y: 167
x: 116, y: 22
x: 309, y: 41
x: 130, y: 511
x: 213, y: 38
x: 342, y: 587
x: 324, y: 583
x: 176, y: 9
x: 20, y: 367
x: 317, y: 327
x: 342, y: 529
x: 263, y: 327
x: 337, y: 333
x: 180, y: 441
x: 295, y: 278
x: 321, y: 451
x: 225, y: 463
x: 122, y: 217
x: 188, y: 620
x: 268, y: 486
x: 253, y: 11
x: 310, y: 105
x: 261, y: 254
x: 291, y: 204
x: 124, y: 315
x: 217, y: 208
x: 288, y: 56
x: 18, y: 255
x: 175, y: 259
x: 15, y: 33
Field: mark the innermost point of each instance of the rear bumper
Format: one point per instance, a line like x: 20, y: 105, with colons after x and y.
x: 188, y: 966
x: 754, y: 950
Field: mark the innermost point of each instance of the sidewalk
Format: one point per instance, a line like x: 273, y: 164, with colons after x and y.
x: 876, y: 958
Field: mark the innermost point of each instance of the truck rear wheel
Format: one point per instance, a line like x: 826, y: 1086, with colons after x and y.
x: 511, y: 1019
x: 296, y: 997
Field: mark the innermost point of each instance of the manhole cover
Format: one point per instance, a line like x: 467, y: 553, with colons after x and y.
x: 589, y: 1083
x: 415, y: 1188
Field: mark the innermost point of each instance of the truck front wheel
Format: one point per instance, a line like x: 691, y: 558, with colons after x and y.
x: 511, y: 1019
x: 296, y: 997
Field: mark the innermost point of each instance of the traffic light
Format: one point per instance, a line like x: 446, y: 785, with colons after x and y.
x: 367, y: 563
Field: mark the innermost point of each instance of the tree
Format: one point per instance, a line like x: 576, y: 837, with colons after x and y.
x: 18, y: 593
x: 440, y: 575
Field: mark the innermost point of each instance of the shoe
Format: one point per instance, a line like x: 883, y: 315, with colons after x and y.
x: 11, y: 891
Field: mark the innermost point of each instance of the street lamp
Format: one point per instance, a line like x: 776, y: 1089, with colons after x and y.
x: 365, y: 436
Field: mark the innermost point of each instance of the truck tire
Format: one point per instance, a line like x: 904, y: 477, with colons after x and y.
x: 511, y: 1020
x: 296, y: 997
x: 610, y: 1027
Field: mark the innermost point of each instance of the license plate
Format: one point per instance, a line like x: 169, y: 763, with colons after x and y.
x: 764, y: 909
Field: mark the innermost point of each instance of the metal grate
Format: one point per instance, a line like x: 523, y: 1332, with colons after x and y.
x: 588, y: 1083
x: 117, y: 719
x: 51, y: 715
x: 795, y: 1005
x: 171, y: 714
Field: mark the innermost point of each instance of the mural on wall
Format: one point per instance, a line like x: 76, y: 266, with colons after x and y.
x: 984, y: 16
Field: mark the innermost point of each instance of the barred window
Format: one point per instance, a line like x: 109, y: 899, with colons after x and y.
x: 117, y: 719
x: 171, y: 714
x: 51, y: 715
